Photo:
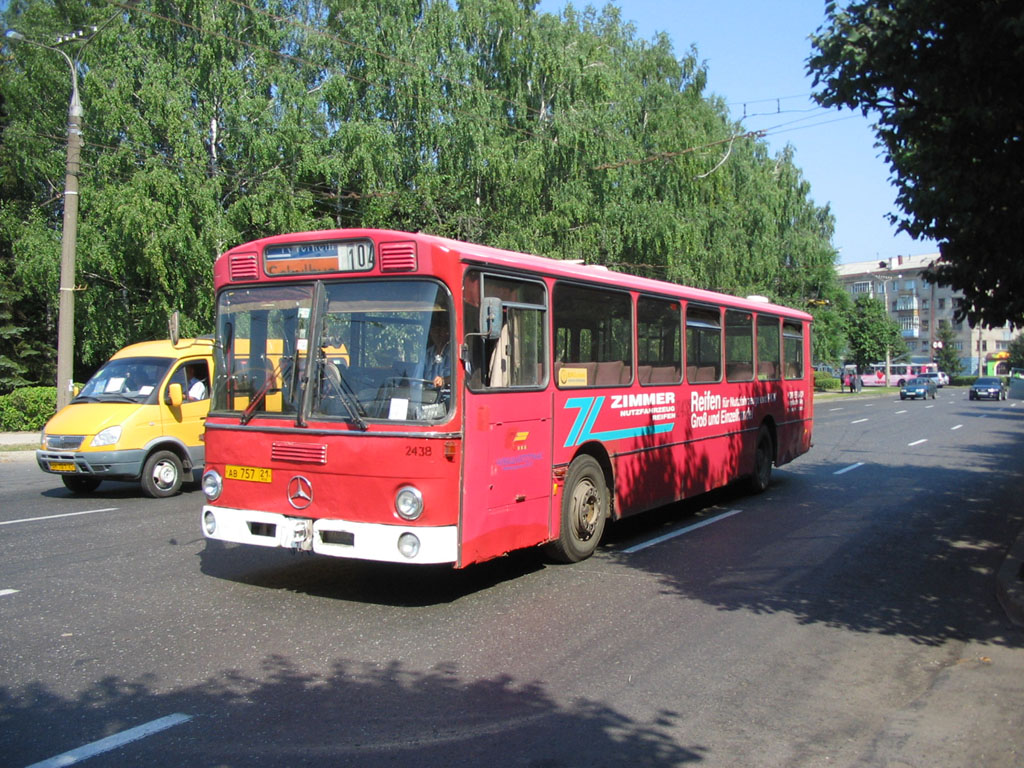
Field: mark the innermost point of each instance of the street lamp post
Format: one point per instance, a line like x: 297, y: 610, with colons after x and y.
x: 69, y: 237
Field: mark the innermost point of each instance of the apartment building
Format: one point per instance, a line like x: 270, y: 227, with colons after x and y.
x: 920, y: 307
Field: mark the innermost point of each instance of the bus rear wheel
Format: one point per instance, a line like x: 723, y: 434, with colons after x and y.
x: 764, y: 455
x: 585, y: 506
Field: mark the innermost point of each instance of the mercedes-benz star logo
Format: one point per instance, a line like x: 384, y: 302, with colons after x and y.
x: 300, y: 492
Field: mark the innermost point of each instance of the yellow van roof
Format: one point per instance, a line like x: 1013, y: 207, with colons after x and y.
x: 164, y: 348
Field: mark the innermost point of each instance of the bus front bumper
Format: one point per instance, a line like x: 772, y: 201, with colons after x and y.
x: 337, y: 538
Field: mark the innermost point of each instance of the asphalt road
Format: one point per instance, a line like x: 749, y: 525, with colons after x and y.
x: 844, y: 617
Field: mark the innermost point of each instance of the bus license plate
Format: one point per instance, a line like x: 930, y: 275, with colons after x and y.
x: 61, y: 466
x: 250, y: 474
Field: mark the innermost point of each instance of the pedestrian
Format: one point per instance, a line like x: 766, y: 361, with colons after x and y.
x: 846, y: 381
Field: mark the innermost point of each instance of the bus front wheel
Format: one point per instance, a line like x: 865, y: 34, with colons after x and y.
x: 585, y: 505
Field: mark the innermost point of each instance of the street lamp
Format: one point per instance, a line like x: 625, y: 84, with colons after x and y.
x: 66, y: 306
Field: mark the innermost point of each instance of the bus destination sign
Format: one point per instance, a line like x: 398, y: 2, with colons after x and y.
x: 317, y: 258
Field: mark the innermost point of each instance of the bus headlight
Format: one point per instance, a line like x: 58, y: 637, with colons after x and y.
x: 212, y: 484
x: 108, y: 436
x: 409, y: 545
x: 209, y: 523
x: 409, y: 503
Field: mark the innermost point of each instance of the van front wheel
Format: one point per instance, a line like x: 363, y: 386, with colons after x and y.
x: 161, y: 475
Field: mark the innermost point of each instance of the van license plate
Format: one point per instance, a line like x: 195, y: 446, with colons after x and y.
x: 61, y: 466
x: 251, y: 474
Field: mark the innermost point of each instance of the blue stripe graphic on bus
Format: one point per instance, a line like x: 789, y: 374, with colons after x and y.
x: 589, y: 408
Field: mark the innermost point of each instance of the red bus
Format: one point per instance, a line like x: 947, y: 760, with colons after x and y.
x: 408, y: 398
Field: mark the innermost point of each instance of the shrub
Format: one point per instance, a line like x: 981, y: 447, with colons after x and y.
x: 27, y: 409
x: 825, y: 381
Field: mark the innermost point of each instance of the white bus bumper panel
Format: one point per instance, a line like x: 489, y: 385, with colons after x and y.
x: 337, y: 538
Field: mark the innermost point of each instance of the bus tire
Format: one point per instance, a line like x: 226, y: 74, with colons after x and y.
x: 79, y: 484
x: 761, y: 478
x: 585, y: 506
x: 161, y: 475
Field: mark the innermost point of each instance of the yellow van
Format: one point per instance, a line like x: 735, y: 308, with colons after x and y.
x: 140, y: 417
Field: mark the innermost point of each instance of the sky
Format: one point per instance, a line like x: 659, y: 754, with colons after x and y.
x: 756, y: 54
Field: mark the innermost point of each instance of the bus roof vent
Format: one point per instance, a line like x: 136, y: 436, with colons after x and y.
x: 398, y: 257
x: 758, y: 297
x: 243, y: 266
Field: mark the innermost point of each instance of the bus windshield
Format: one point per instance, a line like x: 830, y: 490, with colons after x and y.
x: 374, y: 350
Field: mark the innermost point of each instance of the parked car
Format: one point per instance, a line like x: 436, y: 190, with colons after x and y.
x: 987, y: 387
x: 938, y: 377
x: 919, y: 387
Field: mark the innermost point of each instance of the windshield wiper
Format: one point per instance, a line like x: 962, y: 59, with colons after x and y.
x: 346, y: 394
x: 250, y: 409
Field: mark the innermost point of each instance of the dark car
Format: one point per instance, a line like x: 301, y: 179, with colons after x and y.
x: 915, y: 388
x: 987, y: 387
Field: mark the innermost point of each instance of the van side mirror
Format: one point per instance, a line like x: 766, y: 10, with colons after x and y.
x: 490, y: 318
x: 174, y: 395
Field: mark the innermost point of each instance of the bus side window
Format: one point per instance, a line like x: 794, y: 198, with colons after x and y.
x: 518, y: 358
x: 659, y: 333
x: 703, y: 344
x: 593, y: 336
x: 793, y: 348
x: 768, y: 350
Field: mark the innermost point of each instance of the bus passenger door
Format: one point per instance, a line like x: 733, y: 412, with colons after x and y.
x: 507, y: 451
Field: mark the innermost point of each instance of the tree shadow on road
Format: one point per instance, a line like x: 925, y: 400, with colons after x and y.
x: 354, y: 715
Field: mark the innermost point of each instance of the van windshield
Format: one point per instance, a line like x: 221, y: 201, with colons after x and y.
x: 125, y: 380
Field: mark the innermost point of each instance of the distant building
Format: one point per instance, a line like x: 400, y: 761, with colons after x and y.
x: 921, y: 307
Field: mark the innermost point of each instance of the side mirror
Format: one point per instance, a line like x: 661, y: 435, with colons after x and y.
x: 174, y: 395
x: 490, y: 318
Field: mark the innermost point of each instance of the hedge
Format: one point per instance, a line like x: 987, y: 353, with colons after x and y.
x: 27, y: 409
x: 825, y: 381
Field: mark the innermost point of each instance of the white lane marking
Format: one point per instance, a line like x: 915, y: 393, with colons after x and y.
x: 929, y: 406
x: 113, y: 742
x: 54, y: 517
x: 903, y: 411
x: 958, y: 426
x: 680, y: 532
x: 834, y: 409
x: 858, y: 421
x: 850, y: 468
x: 917, y: 442
x: 6, y: 592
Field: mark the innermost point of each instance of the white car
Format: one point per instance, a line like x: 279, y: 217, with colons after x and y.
x: 940, y: 378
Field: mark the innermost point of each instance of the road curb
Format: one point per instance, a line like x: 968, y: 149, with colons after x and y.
x: 1010, y: 582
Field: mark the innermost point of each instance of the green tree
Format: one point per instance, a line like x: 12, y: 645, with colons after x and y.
x: 946, y: 355
x: 943, y: 79
x: 1016, y: 350
x: 872, y: 336
x: 214, y: 122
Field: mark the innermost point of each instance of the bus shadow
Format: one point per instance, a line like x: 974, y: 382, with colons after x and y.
x: 847, y: 551
x: 362, y: 581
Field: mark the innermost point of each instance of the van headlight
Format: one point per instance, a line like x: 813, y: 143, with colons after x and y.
x: 108, y: 436
x: 409, y: 502
x: 212, y: 484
